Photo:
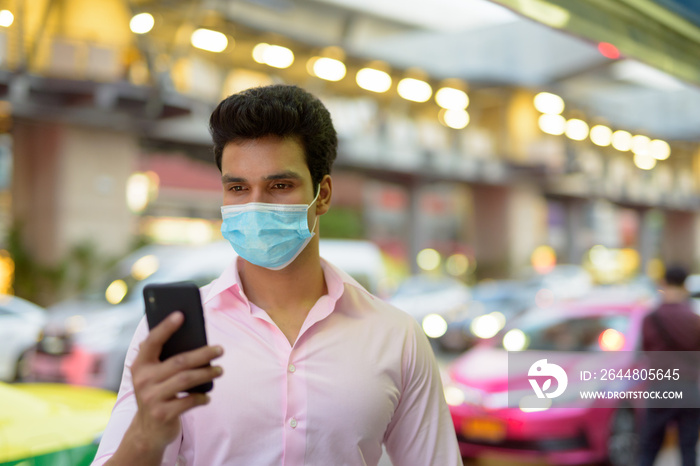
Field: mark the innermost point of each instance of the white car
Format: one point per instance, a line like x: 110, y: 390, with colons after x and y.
x: 20, y: 325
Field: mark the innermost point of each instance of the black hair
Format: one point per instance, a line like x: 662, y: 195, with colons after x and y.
x: 675, y: 275
x: 277, y: 110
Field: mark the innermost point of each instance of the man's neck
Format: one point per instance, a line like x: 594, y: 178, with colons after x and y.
x: 291, y: 291
x: 674, y: 294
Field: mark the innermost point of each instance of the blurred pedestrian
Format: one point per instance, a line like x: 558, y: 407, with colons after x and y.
x: 316, y: 370
x: 673, y: 326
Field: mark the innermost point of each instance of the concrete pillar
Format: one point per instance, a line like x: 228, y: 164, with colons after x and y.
x: 69, y: 187
x: 491, y: 219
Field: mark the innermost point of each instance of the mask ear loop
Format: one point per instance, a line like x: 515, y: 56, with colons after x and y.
x: 318, y: 192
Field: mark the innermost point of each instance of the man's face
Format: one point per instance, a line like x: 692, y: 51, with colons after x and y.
x: 270, y: 170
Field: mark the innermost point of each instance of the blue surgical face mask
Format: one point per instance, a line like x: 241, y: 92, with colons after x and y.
x: 268, y: 235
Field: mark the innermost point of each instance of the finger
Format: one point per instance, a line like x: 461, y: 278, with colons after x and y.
x: 153, y: 344
x: 184, y: 380
x: 184, y: 361
x: 187, y: 402
x: 167, y: 411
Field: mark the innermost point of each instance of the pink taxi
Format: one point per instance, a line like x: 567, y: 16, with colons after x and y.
x: 483, y: 393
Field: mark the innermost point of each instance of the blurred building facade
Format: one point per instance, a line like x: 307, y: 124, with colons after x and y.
x: 108, y: 143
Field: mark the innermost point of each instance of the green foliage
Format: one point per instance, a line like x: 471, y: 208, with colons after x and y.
x: 46, y: 284
x: 342, y: 222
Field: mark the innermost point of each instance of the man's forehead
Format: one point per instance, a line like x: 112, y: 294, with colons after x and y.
x: 275, y: 175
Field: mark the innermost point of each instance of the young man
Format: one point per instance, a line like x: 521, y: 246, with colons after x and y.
x: 314, y: 370
x: 673, y: 326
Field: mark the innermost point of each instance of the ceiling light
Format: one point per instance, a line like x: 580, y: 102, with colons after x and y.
x: 552, y: 124
x: 640, y: 144
x: 414, y: 90
x: 601, y: 135
x: 546, y: 102
x: 329, y: 69
x: 622, y: 140
x: 454, y: 118
x: 140, y: 24
x: 451, y: 98
x: 211, y: 41
x: 273, y: 55
x: 659, y: 149
x: 576, y: 129
x: 373, y: 80
x: 6, y: 18
x: 645, y: 162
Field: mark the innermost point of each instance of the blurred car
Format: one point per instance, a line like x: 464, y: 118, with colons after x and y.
x: 86, y: 339
x: 478, y: 385
x: 434, y: 301
x: 492, y: 304
x: 20, y: 325
x: 52, y: 424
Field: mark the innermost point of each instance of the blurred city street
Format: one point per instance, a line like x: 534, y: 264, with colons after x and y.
x: 519, y: 177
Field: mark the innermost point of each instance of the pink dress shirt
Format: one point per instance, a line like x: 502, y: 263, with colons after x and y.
x: 360, y: 374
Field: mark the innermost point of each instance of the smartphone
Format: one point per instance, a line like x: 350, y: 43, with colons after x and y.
x: 161, y: 300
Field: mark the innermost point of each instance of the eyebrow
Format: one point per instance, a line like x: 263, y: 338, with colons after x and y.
x: 285, y: 175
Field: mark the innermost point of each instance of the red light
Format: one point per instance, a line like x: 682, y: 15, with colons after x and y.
x: 611, y: 340
x: 608, y: 50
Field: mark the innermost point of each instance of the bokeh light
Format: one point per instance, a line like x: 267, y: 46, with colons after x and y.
x: 414, y: 90
x: 659, y: 149
x: 434, y: 325
x: 211, y: 41
x: 549, y: 103
x: 611, y: 340
x: 145, y: 267
x: 543, y: 259
x: 457, y: 264
x: 6, y: 18
x: 576, y: 129
x: 451, y: 99
x: 515, y: 340
x: 116, y: 291
x: 552, y: 124
x: 601, y: 135
x: 622, y: 140
x: 428, y: 259
x: 139, y: 24
x: 329, y: 69
x: 454, y: 118
x: 373, y: 80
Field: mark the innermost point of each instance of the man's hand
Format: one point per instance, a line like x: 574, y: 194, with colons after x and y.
x: 158, y: 388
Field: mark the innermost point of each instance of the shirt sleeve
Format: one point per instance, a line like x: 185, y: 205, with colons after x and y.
x: 421, y: 432
x: 125, y: 409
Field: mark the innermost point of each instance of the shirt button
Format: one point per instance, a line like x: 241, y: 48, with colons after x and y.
x: 293, y: 423
x: 292, y: 368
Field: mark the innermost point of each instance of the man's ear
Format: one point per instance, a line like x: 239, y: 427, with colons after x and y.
x: 324, y: 196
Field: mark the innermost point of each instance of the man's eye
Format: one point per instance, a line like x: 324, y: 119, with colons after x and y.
x: 236, y: 188
x: 280, y: 185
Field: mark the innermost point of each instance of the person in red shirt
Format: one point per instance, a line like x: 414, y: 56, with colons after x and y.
x: 673, y: 326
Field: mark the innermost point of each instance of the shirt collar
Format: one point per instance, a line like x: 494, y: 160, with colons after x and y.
x: 336, y: 280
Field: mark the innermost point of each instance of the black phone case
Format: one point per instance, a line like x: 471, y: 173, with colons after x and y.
x: 161, y: 300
